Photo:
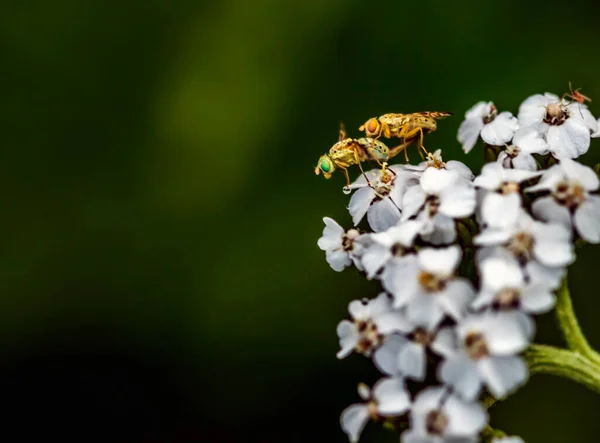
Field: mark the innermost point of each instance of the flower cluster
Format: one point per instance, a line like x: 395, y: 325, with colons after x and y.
x: 464, y: 264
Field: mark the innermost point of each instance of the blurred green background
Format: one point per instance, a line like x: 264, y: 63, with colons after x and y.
x: 160, y: 275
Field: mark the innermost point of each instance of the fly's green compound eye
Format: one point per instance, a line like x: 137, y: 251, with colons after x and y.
x: 325, y: 165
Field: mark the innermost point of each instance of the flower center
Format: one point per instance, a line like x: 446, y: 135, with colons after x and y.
x: 488, y: 118
x: 569, y: 194
x: 433, y: 204
x: 369, y: 337
x: 435, y: 161
x: 507, y: 299
x: 422, y: 337
x: 431, y: 282
x: 476, y: 345
x: 521, y: 245
x: 513, y: 151
x: 372, y: 410
x: 556, y: 114
x: 509, y: 188
x: 436, y: 422
x: 348, y: 239
x: 398, y: 250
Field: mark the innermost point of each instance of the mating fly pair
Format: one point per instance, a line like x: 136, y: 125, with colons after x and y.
x: 348, y: 151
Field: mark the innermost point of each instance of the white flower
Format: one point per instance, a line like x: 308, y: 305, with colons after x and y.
x: 570, y: 202
x: 426, y: 285
x: 494, y: 177
x: 503, y: 287
x: 440, y: 197
x: 518, y: 155
x: 388, y: 246
x: 483, y: 118
x: 567, y: 126
x: 509, y: 226
x: 389, y: 398
x: 483, y: 355
x: 381, y: 198
x: 337, y: 244
x: 406, y: 355
x: 438, y: 417
x: 435, y: 161
x: 371, y: 320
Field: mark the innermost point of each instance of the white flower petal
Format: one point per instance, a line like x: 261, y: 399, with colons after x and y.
x: 529, y: 141
x: 461, y: 373
x: 468, y: 132
x: 412, y: 436
x: 457, y: 201
x: 393, y: 321
x: 332, y: 235
x: 459, y: 167
x: 380, y: 305
x: 412, y: 361
x: 581, y: 174
x: 353, y: 420
x: 338, y: 260
x: 492, y: 237
x: 374, y: 258
x: 505, y: 334
x: 501, y: 130
x: 580, y: 111
x: 549, y: 210
x: 392, y: 397
x: 413, y: 201
x: 440, y: 262
x: 569, y: 140
x: 491, y: 177
x: 465, y: 419
x: 532, y: 110
x: 434, y: 181
x: 552, y: 245
x: 587, y: 219
x: 386, y: 356
x: 440, y: 230
x: 501, y: 211
x: 359, y: 309
x: 360, y: 203
x: 503, y: 375
x: 537, y: 298
x: 425, y: 310
x: 400, y: 279
x: 498, y: 274
x: 383, y: 214
x: 445, y: 342
x: 456, y: 297
x: 348, y: 336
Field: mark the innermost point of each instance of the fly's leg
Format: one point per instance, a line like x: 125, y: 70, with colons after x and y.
x: 397, y: 149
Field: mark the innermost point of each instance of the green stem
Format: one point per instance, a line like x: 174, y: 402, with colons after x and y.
x: 567, y: 321
x: 489, y: 433
x: 543, y: 359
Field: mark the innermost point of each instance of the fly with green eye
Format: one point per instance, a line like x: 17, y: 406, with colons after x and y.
x: 349, y: 151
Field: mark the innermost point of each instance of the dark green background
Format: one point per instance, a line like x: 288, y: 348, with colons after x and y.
x: 160, y: 275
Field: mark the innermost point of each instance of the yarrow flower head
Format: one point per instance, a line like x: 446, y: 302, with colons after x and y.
x: 571, y: 201
x: 483, y: 119
x: 465, y: 264
x: 567, y: 126
x: 379, y: 195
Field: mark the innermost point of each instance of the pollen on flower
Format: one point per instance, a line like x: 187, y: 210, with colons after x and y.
x: 489, y: 117
x: 431, y: 282
x: 372, y: 410
x: 436, y: 422
x: 568, y: 194
x: 556, y: 114
x: 507, y: 299
x: 521, y: 245
x: 348, y: 239
x: 422, y: 337
x: 509, y: 188
x: 369, y: 337
x: 476, y: 346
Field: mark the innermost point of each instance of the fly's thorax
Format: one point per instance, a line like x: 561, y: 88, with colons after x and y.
x: 344, y: 153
